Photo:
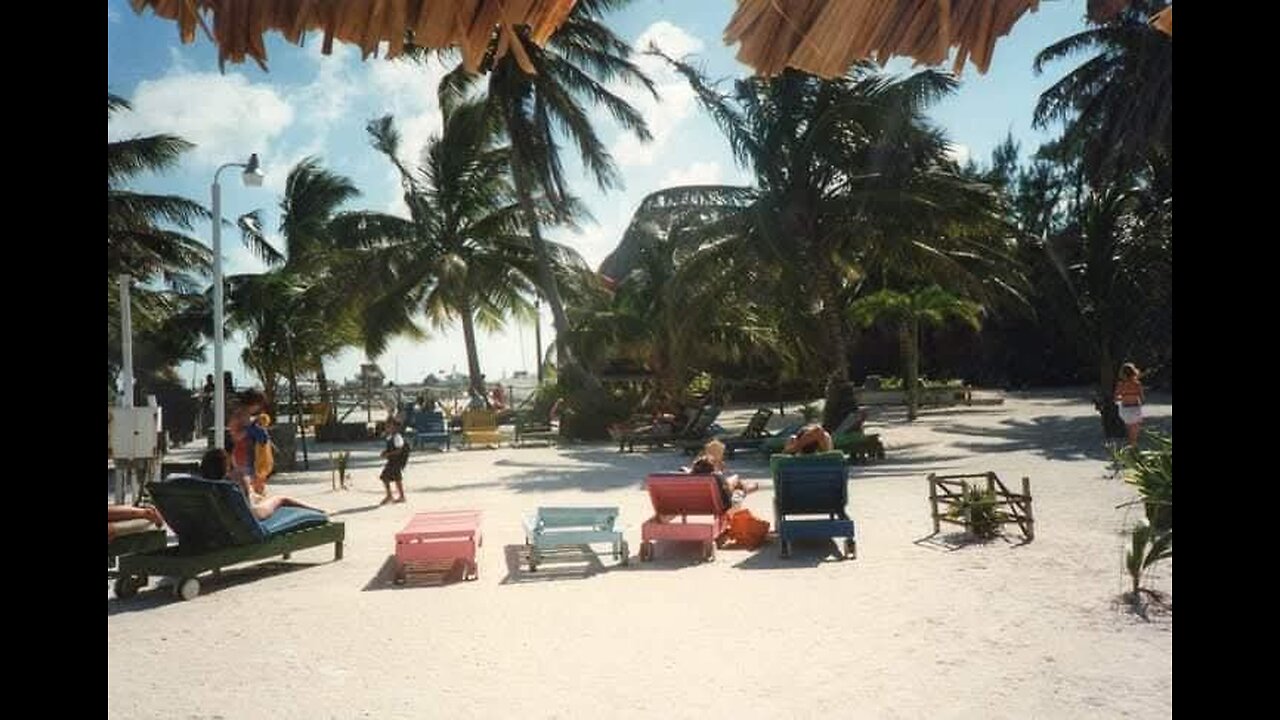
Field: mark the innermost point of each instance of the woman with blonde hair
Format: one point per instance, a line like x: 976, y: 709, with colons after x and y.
x: 1129, y: 399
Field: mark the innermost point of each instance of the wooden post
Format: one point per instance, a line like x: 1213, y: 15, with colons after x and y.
x: 1031, y: 520
x: 933, y: 502
x: 333, y: 472
x: 968, y: 507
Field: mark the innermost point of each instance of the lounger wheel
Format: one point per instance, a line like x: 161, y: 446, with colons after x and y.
x: 626, y: 553
x: 187, y: 588
x: 533, y: 561
x: 785, y: 550
x: 708, y: 551
x: 127, y: 586
x: 850, y: 549
x: 646, y: 551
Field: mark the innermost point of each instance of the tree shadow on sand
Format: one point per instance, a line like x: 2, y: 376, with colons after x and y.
x: 1056, y: 437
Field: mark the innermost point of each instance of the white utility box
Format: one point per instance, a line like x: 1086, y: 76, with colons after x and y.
x: 133, y: 432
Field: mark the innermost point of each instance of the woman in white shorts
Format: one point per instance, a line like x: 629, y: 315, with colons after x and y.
x: 1129, y: 397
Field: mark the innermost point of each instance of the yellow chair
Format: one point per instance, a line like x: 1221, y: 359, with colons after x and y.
x: 480, y: 427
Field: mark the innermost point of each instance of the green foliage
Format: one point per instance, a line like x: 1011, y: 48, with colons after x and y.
x: 978, y: 509
x: 1147, y: 547
x: 699, y: 385
x: 1151, y: 472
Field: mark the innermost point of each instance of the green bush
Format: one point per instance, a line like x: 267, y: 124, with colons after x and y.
x: 978, y: 507
x: 1151, y: 472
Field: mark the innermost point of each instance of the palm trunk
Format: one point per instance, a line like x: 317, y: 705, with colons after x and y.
x: 911, y: 363
x: 568, y: 364
x: 473, y: 355
x: 839, y: 392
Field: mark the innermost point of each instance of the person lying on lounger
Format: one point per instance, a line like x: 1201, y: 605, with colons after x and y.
x: 810, y: 439
x: 214, y: 466
x: 121, y: 513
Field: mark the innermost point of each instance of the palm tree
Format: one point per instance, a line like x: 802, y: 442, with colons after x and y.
x: 571, y: 73
x: 849, y: 181
x: 908, y: 311
x: 675, y: 311
x: 146, y: 239
x: 311, y: 275
x: 1118, y: 104
x: 464, y: 253
x: 140, y: 240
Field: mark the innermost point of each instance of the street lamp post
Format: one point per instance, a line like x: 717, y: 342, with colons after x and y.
x: 252, y: 177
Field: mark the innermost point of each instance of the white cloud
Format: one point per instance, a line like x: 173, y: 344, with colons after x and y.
x: 958, y: 152
x: 113, y: 15
x: 407, y: 90
x: 675, y: 101
x: 226, y: 116
x: 698, y: 173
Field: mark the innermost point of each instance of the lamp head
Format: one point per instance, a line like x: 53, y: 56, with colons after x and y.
x: 252, y: 173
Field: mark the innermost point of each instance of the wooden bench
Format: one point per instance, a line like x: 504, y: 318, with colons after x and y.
x: 433, y: 542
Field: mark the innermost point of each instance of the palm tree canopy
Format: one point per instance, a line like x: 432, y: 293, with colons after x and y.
x: 1117, y: 106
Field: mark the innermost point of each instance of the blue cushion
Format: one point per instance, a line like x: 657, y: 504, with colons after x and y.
x: 286, y: 519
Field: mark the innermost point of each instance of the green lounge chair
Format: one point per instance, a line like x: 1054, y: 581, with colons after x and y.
x: 216, y: 529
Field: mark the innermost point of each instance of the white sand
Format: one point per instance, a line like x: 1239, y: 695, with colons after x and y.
x: 908, y: 630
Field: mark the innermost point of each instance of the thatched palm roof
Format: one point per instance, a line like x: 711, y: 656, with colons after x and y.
x: 238, y: 26
x: 825, y: 37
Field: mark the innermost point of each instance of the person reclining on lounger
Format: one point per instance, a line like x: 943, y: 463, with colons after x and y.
x: 123, y: 513
x: 214, y: 466
x: 811, y: 438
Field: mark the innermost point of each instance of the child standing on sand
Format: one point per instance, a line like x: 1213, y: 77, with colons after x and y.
x: 397, y: 456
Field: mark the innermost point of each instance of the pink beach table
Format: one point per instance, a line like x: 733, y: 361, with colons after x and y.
x: 442, y: 537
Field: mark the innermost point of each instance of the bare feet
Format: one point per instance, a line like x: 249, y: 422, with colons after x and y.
x: 400, y: 499
x: 386, y: 500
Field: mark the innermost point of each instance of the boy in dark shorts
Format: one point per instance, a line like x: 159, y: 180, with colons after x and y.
x: 397, y: 456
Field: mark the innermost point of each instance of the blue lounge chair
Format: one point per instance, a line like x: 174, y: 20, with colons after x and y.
x: 810, y: 495
x: 216, y: 528
x: 429, y: 429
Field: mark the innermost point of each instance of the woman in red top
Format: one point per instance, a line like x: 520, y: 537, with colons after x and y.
x: 1129, y: 398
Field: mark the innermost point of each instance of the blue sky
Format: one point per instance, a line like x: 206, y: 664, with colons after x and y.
x: 310, y: 104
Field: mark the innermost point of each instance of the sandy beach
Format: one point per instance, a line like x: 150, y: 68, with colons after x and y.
x: 915, y: 627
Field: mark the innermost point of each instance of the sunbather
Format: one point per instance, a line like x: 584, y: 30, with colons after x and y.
x: 711, y: 462
x: 121, y: 513
x: 214, y: 466
x: 810, y: 439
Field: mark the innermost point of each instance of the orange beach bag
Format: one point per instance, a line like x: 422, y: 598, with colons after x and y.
x: 747, y: 530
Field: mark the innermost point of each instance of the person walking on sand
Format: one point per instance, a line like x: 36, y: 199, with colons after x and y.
x: 1129, y: 399
x: 397, y: 456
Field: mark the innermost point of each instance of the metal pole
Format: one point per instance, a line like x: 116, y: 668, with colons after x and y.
x: 126, y: 340
x: 219, y: 389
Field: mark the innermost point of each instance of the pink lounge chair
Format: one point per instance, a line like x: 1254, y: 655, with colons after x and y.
x: 441, y: 537
x: 676, y: 495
